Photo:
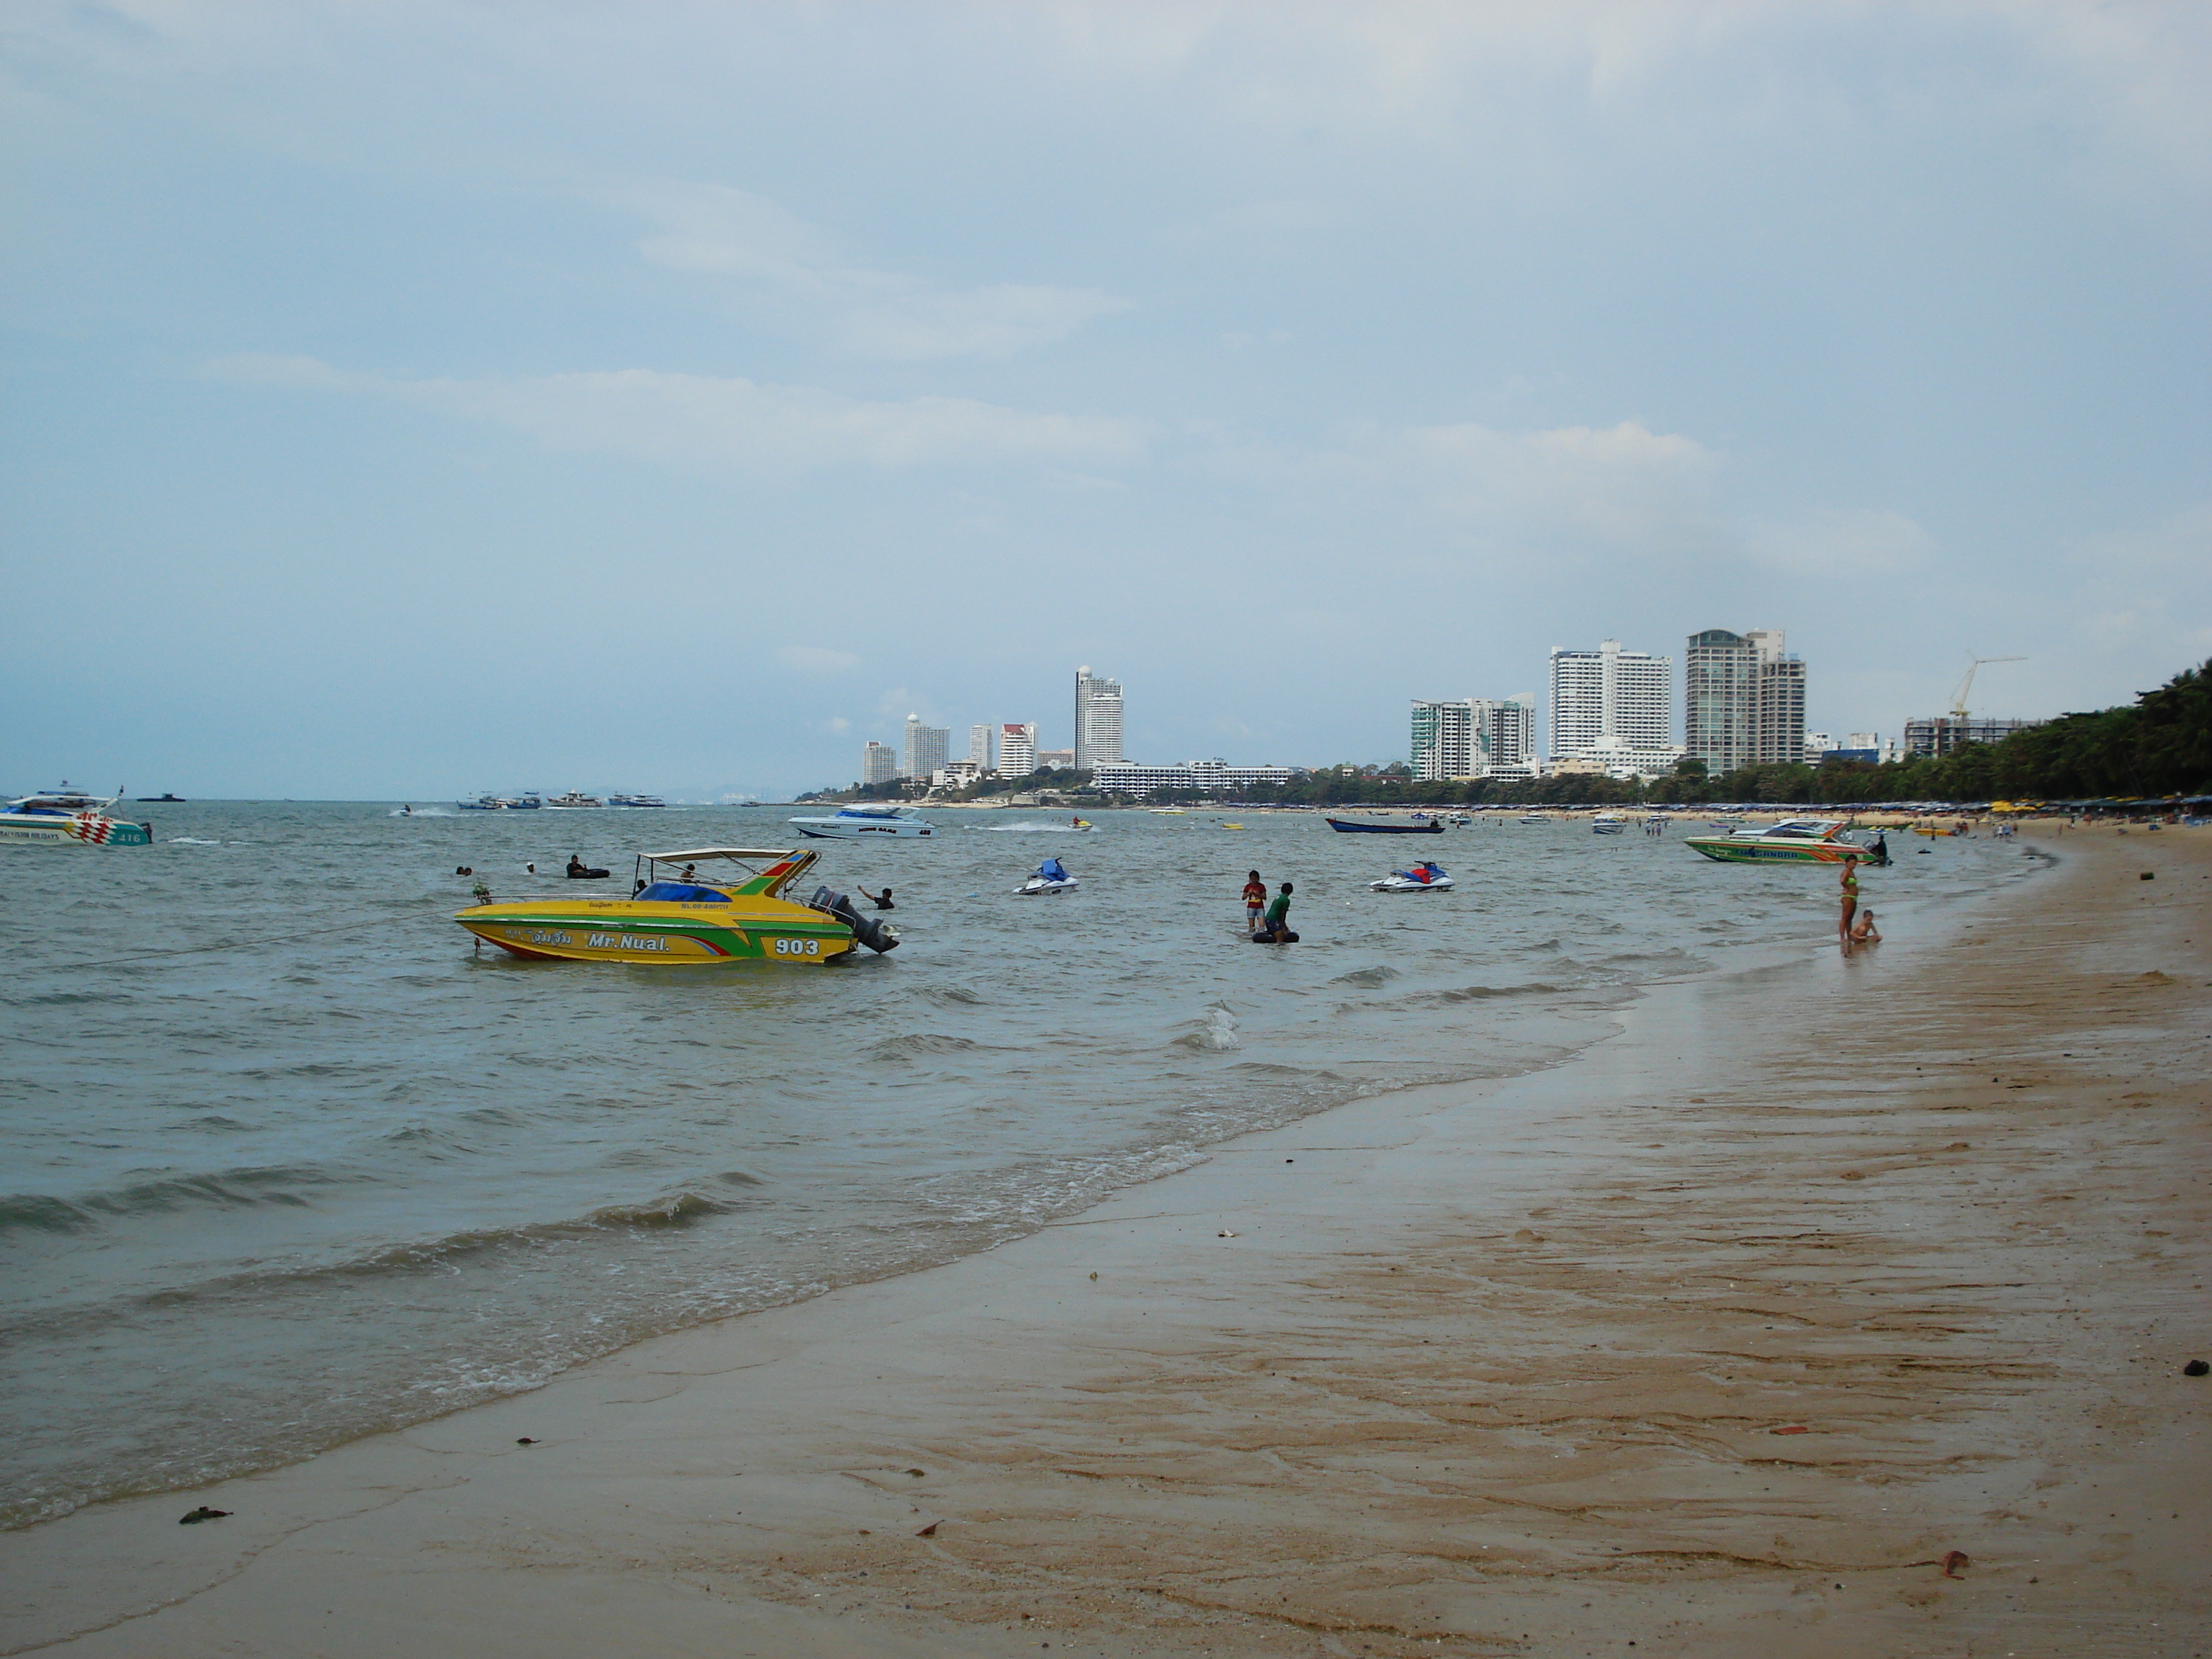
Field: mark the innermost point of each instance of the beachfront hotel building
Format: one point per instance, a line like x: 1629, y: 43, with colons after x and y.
x: 1207, y: 776
x: 1743, y: 700
x: 1018, y: 754
x: 878, y: 762
x: 926, y: 748
x: 1097, y: 720
x: 1614, y: 707
x: 1462, y: 737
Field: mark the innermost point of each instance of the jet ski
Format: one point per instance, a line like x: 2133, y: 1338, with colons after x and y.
x: 1052, y: 877
x: 1428, y: 878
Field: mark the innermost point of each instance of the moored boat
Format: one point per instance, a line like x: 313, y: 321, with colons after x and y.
x: 1052, y: 877
x: 740, y: 917
x: 1382, y: 823
x: 1532, y: 818
x: 68, y: 818
x: 1607, y: 823
x: 576, y: 801
x: 863, y: 823
x: 1792, y: 841
x: 1429, y: 877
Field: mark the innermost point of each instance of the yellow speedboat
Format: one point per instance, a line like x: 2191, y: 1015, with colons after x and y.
x: 689, y: 919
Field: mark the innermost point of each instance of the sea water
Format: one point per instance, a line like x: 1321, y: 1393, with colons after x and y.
x: 287, y: 1161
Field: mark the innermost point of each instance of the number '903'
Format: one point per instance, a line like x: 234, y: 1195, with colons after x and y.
x: 799, y: 947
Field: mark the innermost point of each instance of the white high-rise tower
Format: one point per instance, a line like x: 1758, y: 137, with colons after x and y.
x: 1097, y: 720
x: 979, y: 746
x: 1614, y: 707
x: 1018, y: 748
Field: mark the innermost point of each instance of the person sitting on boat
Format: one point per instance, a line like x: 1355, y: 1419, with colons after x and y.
x: 883, y: 900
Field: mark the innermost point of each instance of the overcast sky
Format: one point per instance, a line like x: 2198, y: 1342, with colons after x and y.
x: 407, y: 399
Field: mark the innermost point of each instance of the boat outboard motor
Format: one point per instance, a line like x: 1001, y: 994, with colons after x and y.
x: 877, y: 935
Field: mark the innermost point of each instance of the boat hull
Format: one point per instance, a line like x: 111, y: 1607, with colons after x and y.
x: 1368, y: 827
x: 655, y: 934
x: 74, y: 829
x: 1745, y: 849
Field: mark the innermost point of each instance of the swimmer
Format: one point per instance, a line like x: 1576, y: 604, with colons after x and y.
x: 883, y: 900
x: 1851, y: 885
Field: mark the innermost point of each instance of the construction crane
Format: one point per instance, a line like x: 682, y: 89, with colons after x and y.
x: 1966, y: 685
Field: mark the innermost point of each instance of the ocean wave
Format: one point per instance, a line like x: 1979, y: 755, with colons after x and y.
x: 228, y: 1189
x: 911, y: 1044
x: 189, y: 840
x: 1368, y: 977
x: 1479, y: 993
x: 1033, y: 829
x: 1215, y: 1033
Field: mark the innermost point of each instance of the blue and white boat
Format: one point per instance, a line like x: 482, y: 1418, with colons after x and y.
x: 528, y: 801
x: 68, y: 818
x: 867, y: 821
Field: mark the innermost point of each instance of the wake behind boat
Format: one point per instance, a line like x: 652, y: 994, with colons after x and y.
x: 68, y: 818
x: 866, y: 823
x: 740, y: 917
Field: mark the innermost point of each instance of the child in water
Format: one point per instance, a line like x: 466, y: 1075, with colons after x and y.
x: 1256, y: 900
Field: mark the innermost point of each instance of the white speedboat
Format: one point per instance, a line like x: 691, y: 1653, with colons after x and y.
x: 635, y: 800
x: 1052, y: 877
x: 1533, y: 817
x: 576, y: 801
x: 868, y: 822
x: 1429, y: 877
x: 68, y: 818
x: 1607, y: 823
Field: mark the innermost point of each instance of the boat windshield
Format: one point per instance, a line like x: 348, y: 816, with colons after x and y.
x: 681, y: 892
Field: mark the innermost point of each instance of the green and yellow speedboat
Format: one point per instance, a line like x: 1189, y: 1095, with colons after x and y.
x: 692, y: 919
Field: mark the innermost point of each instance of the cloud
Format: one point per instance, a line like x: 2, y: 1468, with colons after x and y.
x: 727, y: 424
x: 818, y: 659
x: 718, y: 230
x: 1866, y: 541
x: 988, y: 322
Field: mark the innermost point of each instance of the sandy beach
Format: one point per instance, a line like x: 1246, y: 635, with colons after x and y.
x: 1831, y: 1307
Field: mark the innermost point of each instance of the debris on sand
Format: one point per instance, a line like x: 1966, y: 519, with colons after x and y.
x: 203, y: 1513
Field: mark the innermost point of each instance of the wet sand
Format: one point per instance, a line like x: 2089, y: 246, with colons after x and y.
x: 1717, y: 1339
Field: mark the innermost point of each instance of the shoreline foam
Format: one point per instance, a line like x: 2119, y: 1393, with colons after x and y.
x: 1488, y: 1368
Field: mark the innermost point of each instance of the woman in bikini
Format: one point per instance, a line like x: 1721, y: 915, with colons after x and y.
x: 1850, y: 900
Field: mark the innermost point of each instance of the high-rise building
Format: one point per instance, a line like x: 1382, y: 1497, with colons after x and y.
x: 979, y: 746
x: 925, y: 748
x: 878, y: 762
x: 1614, y: 707
x: 1097, y: 720
x: 1743, y: 700
x: 1018, y: 754
x: 1473, y: 737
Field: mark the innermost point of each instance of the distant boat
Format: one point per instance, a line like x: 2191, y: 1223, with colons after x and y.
x: 1607, y: 823
x: 575, y: 801
x: 635, y: 800
x: 1380, y: 823
x: 1532, y: 817
x: 171, y: 800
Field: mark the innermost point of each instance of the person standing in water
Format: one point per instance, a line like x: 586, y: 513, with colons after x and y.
x: 1851, y: 885
x: 1256, y: 900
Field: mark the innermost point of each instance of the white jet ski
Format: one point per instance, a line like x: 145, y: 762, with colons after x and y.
x: 1421, y: 879
x: 1052, y: 877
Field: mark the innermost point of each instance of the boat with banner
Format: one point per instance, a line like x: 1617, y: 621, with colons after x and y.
x: 1792, y: 841
x: 68, y: 818
x: 865, y: 822
x: 682, y: 917
x: 1381, y: 823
